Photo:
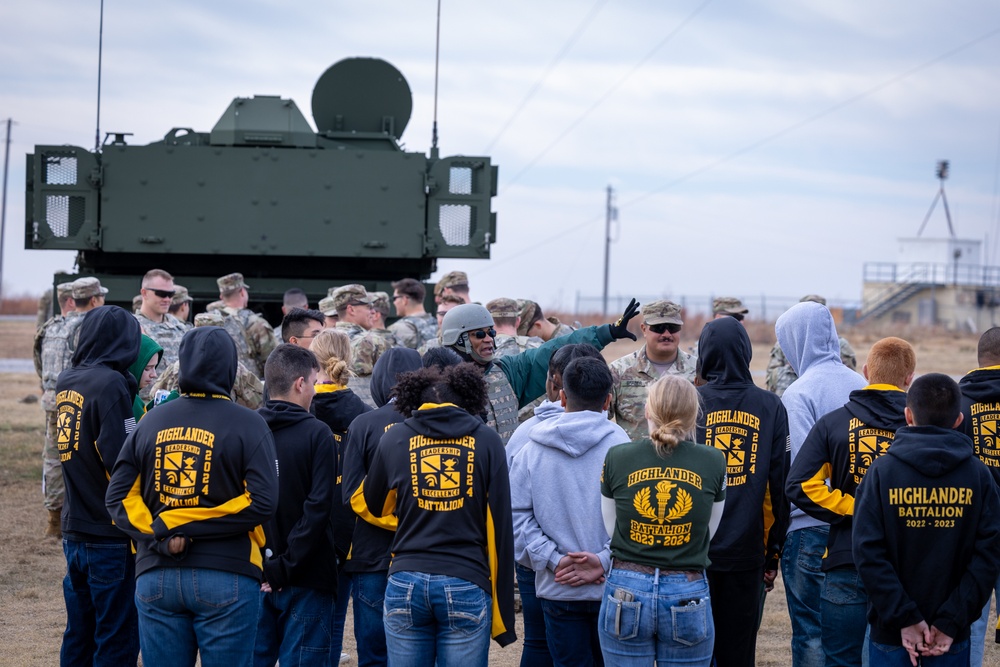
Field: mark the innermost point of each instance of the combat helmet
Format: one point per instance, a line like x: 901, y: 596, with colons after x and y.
x: 460, y: 319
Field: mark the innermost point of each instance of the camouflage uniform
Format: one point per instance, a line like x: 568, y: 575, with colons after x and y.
x: 46, y: 309
x: 248, y: 390
x: 413, y: 331
x: 632, y: 374
x: 505, y: 345
x: 780, y: 374
x: 254, y: 337
x: 501, y: 409
x: 366, y: 347
x: 561, y: 329
x: 433, y: 342
x: 167, y: 335
x: 387, y: 336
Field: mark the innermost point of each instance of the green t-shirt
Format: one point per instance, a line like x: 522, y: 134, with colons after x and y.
x: 663, y: 505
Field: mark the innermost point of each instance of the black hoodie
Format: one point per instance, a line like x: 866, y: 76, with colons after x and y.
x: 981, y: 407
x: 927, y: 534
x: 200, y: 466
x: 373, y: 535
x: 840, y: 447
x: 337, y: 406
x: 454, y: 514
x: 300, y: 535
x: 750, y: 426
x: 93, y: 421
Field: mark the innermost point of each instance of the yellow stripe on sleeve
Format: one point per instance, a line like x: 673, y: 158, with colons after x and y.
x: 138, y: 514
x: 184, y: 515
x: 831, y: 500
x: 491, y: 545
x: 388, y: 520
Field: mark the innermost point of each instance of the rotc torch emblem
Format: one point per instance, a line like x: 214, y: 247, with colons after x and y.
x: 664, y: 491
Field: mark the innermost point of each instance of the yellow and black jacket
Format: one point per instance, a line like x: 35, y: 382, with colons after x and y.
x: 443, y: 472
x: 981, y: 407
x: 840, y: 448
x: 750, y: 426
x: 200, y: 467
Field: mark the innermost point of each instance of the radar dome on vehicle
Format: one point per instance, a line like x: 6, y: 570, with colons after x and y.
x: 362, y: 95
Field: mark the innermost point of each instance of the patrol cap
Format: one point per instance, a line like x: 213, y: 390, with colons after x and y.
x: 503, y: 307
x: 180, y: 295
x: 662, y: 312
x: 84, y: 288
x: 728, y: 305
x: 350, y: 295
x: 216, y: 305
x: 815, y: 298
x: 64, y: 290
x: 380, y: 302
x: 452, y: 279
x: 231, y: 283
x: 527, y: 310
x: 326, y: 306
x: 211, y: 318
x: 136, y: 303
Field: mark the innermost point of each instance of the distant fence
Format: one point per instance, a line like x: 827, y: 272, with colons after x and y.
x: 761, y: 306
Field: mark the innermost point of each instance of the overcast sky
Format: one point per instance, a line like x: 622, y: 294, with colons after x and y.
x: 759, y: 147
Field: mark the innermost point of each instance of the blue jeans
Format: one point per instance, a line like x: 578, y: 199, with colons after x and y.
x: 535, y: 648
x: 294, y: 628
x: 801, y: 563
x: 884, y: 655
x: 571, y: 632
x: 436, y: 618
x: 99, y: 588
x: 340, y: 615
x: 978, y: 631
x: 368, y: 590
x: 184, y: 611
x: 669, y: 619
x: 844, y: 605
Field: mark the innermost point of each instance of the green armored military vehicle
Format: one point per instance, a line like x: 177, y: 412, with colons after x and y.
x: 266, y: 195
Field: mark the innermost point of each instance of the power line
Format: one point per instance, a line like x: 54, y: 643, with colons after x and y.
x: 548, y: 70
x: 611, y: 91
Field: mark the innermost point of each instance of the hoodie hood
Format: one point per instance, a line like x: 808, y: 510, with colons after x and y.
x: 443, y: 421
x: 575, y: 433
x: 387, y: 369
x: 548, y: 409
x: 147, y: 349
x: 808, y: 336
x: 208, y: 361
x: 109, y: 336
x: 932, y: 450
x: 282, y: 414
x: 337, y: 408
x: 880, y: 408
x: 724, y: 352
x: 981, y: 385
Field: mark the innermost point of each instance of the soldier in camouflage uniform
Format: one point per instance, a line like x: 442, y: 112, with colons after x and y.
x: 725, y: 306
x: 780, y: 374
x: 180, y: 305
x: 53, y: 353
x: 534, y: 322
x: 248, y: 390
x: 380, y: 311
x: 516, y: 380
x: 46, y: 309
x: 253, y: 336
x: 454, y: 283
x: 329, y: 312
x: 353, y: 305
x: 155, y: 320
x: 661, y: 354
x: 506, y: 318
x: 415, y: 326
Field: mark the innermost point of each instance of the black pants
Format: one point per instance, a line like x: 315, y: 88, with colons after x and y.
x: 735, y: 610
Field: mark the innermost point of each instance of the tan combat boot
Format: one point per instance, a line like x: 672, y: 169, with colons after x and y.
x: 54, y: 527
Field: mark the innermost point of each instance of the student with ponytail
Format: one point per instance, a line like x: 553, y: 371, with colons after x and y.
x: 663, y: 498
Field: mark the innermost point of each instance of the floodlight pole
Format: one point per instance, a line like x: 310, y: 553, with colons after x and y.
x: 611, y: 213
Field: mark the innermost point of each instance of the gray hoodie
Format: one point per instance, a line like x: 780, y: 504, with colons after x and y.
x: 555, y: 485
x: 546, y: 410
x: 808, y: 337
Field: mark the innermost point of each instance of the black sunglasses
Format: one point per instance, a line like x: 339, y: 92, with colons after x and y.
x: 480, y: 334
x: 163, y: 293
x: 666, y: 326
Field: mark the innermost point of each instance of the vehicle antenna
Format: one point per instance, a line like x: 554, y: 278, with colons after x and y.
x: 437, y: 58
x: 100, y: 49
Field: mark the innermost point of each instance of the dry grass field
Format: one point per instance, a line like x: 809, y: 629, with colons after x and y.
x: 31, y: 606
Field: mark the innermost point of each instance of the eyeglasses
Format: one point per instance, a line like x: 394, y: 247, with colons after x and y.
x: 162, y: 293
x: 666, y: 326
x: 480, y: 334
x: 312, y: 335
x: 399, y: 296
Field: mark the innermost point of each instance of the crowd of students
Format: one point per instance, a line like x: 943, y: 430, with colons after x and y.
x: 253, y: 529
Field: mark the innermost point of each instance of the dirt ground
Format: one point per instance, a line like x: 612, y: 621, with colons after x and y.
x: 32, y: 615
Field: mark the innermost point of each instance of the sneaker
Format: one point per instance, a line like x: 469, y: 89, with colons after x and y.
x: 345, y: 657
